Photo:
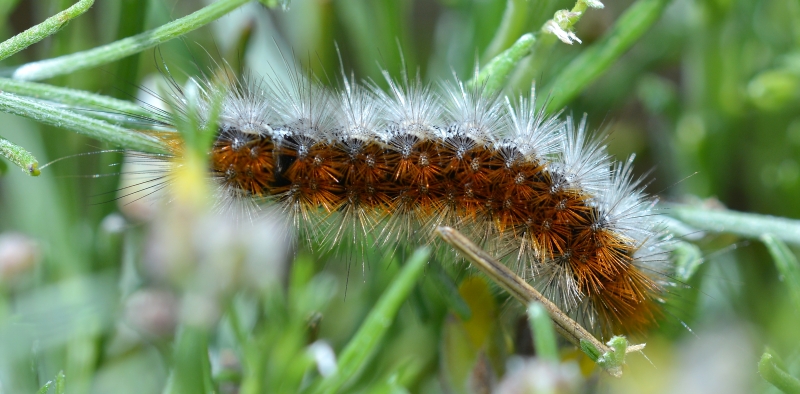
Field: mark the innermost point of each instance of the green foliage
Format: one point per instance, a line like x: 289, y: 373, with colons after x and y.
x: 59, y: 386
x: 19, y: 156
x: 770, y: 370
x: 787, y: 265
x: 693, y: 87
x: 544, y: 335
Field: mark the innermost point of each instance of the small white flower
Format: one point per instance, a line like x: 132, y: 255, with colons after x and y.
x: 323, y: 355
x: 565, y: 36
x: 594, y: 3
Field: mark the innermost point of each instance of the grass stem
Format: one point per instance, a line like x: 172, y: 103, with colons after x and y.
x: 19, y: 156
x: 748, y: 225
x: 372, y: 330
x: 97, y: 129
x: 39, y: 32
x: 127, y: 46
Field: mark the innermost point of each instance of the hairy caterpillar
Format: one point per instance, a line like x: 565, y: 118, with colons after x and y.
x: 361, y: 163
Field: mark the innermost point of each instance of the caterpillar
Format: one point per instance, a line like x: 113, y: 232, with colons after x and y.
x: 358, y: 163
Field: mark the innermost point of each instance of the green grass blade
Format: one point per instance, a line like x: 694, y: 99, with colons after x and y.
x: 192, y: 370
x: 591, y: 351
x: 787, y: 265
x: 132, y: 18
x: 749, y: 225
x: 595, y: 60
x: 776, y: 376
x: 61, y: 383
x: 544, y: 335
x: 494, y: 75
x: 45, y: 388
x: 19, y: 156
x: 72, y: 97
x: 128, y: 46
x: 80, y: 124
x: 511, y: 26
x: 39, y: 32
x: 688, y: 259
x: 361, y: 347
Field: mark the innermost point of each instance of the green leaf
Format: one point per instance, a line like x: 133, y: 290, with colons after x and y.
x: 45, y: 388
x: 613, y: 361
x: 787, y: 265
x: 19, y: 156
x: 39, y: 32
x: 590, y: 350
x: 71, y: 97
x: 511, y: 26
x: 359, y: 350
x: 744, y: 224
x: 688, y: 259
x: 493, y: 76
x: 127, y: 46
x: 61, y: 383
x: 192, y: 369
x: 43, y: 112
x: 776, y: 376
x: 544, y: 336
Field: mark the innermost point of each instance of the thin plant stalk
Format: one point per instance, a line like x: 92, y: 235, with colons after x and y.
x: 748, y: 225
x: 544, y: 336
x: 127, y: 46
x: 47, y: 28
x: 97, y: 129
x: 19, y: 156
x: 73, y: 97
x: 776, y: 376
x: 610, y: 356
x: 511, y: 26
x: 360, y: 348
x: 787, y: 265
x: 494, y: 75
x: 557, y: 28
x: 518, y: 288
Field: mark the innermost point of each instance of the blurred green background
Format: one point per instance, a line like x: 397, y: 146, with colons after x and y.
x: 708, y: 99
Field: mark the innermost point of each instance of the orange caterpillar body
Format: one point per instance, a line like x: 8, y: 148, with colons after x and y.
x: 394, y: 165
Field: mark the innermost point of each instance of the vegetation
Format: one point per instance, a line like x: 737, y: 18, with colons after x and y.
x: 99, y: 295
